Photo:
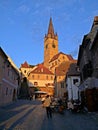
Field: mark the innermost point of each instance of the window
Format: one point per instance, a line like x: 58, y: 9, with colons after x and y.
x: 63, y: 57
x: 62, y: 85
x: 38, y: 76
x: 52, y: 64
x: 24, y: 71
x: 75, y: 81
x: 46, y: 77
x: 58, y: 60
x: 35, y: 83
x: 32, y: 76
x: 49, y: 84
x: 46, y: 46
x: 6, y: 91
x: 53, y: 45
x: 51, y: 77
x: 55, y: 62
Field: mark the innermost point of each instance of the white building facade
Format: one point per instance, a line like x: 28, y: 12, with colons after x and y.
x: 73, y: 82
x: 72, y: 87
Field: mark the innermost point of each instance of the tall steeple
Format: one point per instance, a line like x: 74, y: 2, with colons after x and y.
x: 50, y: 32
x: 50, y: 28
x: 50, y: 44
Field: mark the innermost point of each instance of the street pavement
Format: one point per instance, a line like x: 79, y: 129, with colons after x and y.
x: 30, y: 115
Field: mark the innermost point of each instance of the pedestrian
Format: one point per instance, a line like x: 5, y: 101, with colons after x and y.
x: 47, y: 104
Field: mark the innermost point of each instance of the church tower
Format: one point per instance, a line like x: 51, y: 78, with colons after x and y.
x: 50, y: 44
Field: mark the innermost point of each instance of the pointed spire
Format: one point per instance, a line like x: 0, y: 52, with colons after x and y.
x: 51, y: 33
x: 50, y: 28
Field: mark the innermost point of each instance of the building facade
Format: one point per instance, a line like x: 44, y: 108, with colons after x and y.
x: 9, y: 79
x: 88, y: 64
x: 73, y: 82
x: 60, y: 75
x: 42, y: 79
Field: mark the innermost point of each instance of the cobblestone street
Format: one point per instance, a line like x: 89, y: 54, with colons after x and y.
x: 30, y: 115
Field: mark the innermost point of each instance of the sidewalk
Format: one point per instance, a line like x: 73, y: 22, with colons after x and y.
x: 94, y: 115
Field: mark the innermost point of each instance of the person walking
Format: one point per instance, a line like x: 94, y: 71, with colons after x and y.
x: 47, y: 104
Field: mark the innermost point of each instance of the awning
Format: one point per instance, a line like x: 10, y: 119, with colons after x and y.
x: 40, y: 92
x: 89, y: 83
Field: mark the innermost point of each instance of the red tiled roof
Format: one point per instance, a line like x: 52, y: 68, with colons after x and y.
x: 57, y: 55
x: 69, y: 57
x: 25, y: 65
x: 41, y: 69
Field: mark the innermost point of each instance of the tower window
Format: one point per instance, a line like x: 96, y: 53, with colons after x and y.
x: 53, y: 45
x: 46, y: 46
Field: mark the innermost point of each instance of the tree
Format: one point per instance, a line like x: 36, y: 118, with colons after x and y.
x: 24, y: 90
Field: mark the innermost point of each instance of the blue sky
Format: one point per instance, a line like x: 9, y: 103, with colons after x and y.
x: 23, y: 24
